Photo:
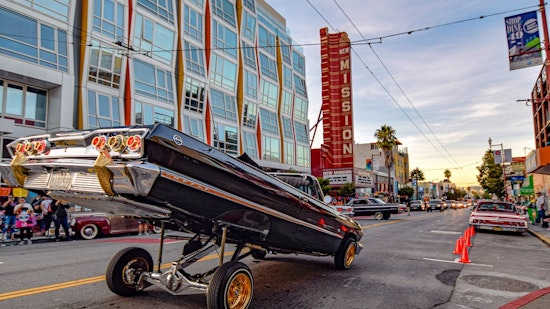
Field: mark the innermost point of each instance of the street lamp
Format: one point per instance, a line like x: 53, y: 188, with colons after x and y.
x: 502, y: 163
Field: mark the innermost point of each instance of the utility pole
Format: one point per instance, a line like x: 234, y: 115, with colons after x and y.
x: 502, y: 158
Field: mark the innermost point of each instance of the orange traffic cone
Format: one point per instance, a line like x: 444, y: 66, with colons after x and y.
x: 467, y: 240
x: 458, y: 246
x: 464, y: 257
x: 472, y: 230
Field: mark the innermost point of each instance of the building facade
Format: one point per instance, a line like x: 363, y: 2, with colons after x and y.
x: 223, y: 71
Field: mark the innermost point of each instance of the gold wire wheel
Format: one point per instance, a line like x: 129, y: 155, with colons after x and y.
x: 239, y: 291
x: 350, y: 255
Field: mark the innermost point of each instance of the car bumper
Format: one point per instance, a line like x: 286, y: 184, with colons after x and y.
x: 500, y: 228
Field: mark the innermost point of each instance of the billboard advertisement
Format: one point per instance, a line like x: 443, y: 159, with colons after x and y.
x: 522, y: 32
x: 337, y: 147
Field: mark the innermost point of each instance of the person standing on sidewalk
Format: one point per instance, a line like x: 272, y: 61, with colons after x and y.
x: 60, y: 218
x: 9, y: 218
x: 25, y: 220
x: 541, y: 206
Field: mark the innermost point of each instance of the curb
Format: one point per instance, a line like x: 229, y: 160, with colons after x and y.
x: 540, y: 236
x: 522, y: 301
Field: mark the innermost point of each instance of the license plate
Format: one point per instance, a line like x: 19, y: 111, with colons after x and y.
x: 497, y: 228
x: 60, y: 181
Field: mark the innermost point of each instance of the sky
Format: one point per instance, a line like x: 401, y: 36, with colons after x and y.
x: 439, y: 76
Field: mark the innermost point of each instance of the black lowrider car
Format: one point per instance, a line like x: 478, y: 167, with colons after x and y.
x: 160, y: 174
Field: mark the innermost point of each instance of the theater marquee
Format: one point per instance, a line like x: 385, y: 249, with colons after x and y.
x: 337, y: 147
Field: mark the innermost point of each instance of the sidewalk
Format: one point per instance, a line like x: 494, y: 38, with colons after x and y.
x: 37, y: 238
x: 539, y: 299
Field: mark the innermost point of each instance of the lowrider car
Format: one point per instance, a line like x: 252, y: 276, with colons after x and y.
x: 497, y: 216
x: 92, y: 224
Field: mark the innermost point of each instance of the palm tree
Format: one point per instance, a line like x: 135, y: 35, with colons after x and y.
x: 418, y: 175
x: 386, y: 141
x: 447, y: 174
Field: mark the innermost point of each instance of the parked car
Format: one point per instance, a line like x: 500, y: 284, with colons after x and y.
x: 417, y: 205
x: 497, y: 216
x: 375, y: 206
x: 435, y: 205
x: 92, y: 224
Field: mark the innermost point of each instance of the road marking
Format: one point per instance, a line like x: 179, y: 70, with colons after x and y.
x: 70, y: 284
x: 446, y: 232
x: 456, y: 261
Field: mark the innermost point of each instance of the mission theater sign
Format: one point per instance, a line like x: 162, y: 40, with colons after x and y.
x: 337, y: 147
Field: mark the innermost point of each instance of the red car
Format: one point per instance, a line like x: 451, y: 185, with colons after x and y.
x: 91, y: 224
x: 498, y: 216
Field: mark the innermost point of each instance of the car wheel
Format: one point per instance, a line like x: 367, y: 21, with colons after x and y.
x: 157, y: 229
x: 378, y: 215
x: 231, y: 286
x: 345, y: 255
x: 124, y: 271
x: 89, y: 231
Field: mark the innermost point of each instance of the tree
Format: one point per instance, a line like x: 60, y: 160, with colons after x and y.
x: 447, y: 174
x: 386, y: 140
x: 490, y: 175
x: 347, y: 190
x: 325, y: 185
x: 417, y: 175
x: 408, y: 191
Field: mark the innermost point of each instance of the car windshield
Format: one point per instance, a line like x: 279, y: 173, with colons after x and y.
x: 502, y: 207
x: 435, y: 202
x: 377, y: 200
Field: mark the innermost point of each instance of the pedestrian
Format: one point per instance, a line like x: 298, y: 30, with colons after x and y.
x: 541, y: 206
x: 531, y: 211
x: 408, y: 203
x: 142, y: 227
x: 60, y: 218
x: 9, y: 218
x: 45, y: 206
x: 25, y: 220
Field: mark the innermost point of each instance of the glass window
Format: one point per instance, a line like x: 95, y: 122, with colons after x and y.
x: 269, y: 122
x: 153, y: 82
x: 151, y: 114
x: 298, y: 63
x: 32, y: 42
x: 226, y: 138
x: 193, y: 127
x: 266, y: 40
x: 249, y: 54
x: 249, y: 26
x: 109, y: 19
x: 194, y: 95
x: 289, y: 153
x: 153, y: 38
x: 103, y: 110
x: 300, y: 108
x: 58, y: 9
x: 250, y: 114
x: 268, y: 67
x: 300, y: 85
x: 251, y: 84
x: 105, y: 66
x: 224, y: 39
x: 285, y: 47
x: 25, y: 105
x: 250, y: 144
x: 301, y: 132
x: 287, y: 128
x: 271, y: 148
x: 287, y: 77
x: 302, y: 155
x: 161, y: 8
x: 192, y: 23
x: 223, y: 72
x: 225, y: 10
x: 269, y: 94
x: 286, y: 102
x: 223, y: 105
x: 194, y: 59
x: 250, y: 4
